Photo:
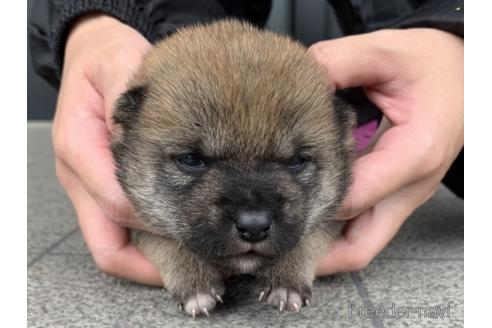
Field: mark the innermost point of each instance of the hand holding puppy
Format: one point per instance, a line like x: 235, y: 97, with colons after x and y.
x: 101, y: 55
x: 415, y: 77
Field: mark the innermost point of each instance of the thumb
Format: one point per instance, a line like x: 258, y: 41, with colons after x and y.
x: 112, y: 74
x: 366, y: 60
x: 114, y: 84
x: 353, y: 61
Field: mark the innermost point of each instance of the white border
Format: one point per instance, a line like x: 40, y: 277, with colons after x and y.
x: 13, y: 173
x: 478, y: 163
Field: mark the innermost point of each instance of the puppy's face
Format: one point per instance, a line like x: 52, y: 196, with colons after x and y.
x: 231, y: 144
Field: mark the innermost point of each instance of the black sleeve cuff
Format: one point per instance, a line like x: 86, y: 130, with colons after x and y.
x: 443, y: 15
x: 50, y: 21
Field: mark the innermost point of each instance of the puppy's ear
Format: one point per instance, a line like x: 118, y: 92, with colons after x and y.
x: 129, y: 105
x: 125, y: 113
x: 344, y: 114
x: 346, y: 121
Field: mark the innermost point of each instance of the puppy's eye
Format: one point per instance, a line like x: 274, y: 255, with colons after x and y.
x: 191, y: 162
x: 296, y: 163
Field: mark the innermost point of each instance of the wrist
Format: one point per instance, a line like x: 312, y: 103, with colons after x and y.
x: 84, y: 28
x: 96, y: 39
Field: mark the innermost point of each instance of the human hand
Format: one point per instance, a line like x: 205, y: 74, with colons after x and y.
x: 415, y: 77
x: 101, y: 55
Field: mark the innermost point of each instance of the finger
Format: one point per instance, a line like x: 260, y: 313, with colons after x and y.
x: 366, y: 235
x: 113, y: 85
x: 398, y: 159
x: 366, y: 60
x: 112, y: 80
x: 81, y: 140
x: 108, y: 243
x: 353, y: 61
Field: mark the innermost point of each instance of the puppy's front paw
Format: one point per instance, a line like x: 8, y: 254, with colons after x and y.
x: 201, y: 301
x: 288, y: 296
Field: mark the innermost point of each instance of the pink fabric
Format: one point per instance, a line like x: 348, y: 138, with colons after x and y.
x: 364, y: 133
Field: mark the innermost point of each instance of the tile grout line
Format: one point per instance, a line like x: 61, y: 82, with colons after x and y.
x: 364, y: 295
x: 53, y: 246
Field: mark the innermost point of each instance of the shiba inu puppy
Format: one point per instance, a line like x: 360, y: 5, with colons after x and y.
x: 237, y: 158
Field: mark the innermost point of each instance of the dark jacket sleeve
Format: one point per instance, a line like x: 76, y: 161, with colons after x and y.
x: 446, y: 15
x: 357, y: 16
x: 50, y: 22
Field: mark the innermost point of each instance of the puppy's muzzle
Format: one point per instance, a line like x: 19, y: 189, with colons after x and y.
x: 253, y: 227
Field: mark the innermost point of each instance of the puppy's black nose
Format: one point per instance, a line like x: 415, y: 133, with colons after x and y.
x: 253, y: 226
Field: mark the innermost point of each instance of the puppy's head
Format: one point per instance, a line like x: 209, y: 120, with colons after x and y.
x: 231, y: 144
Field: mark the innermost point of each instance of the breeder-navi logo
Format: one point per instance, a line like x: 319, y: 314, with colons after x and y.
x: 398, y: 312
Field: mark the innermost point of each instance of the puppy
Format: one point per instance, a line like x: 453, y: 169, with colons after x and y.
x: 237, y: 158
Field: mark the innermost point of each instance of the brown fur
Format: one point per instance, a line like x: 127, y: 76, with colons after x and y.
x: 249, y: 101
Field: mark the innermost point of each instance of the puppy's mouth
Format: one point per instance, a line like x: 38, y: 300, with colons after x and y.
x: 247, y: 262
x: 247, y: 250
x: 251, y: 255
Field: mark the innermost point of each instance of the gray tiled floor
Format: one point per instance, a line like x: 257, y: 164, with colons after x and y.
x: 422, y: 268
